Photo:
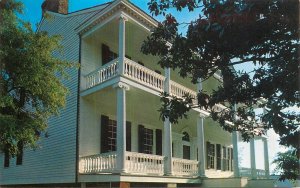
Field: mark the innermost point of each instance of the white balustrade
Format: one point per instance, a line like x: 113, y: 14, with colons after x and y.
x: 143, y: 75
x: 144, y: 163
x: 246, y: 172
x: 184, y: 167
x: 104, y: 73
x: 105, y: 162
x: 180, y: 91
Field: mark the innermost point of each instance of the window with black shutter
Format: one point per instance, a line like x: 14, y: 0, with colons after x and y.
x: 109, y: 135
x: 104, y: 134
x: 145, y: 138
x: 158, y: 134
x: 210, y: 149
x: 19, y: 160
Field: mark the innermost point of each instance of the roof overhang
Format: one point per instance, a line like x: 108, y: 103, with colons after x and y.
x: 116, y: 8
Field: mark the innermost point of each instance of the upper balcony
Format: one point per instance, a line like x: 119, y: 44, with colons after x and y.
x: 136, y: 73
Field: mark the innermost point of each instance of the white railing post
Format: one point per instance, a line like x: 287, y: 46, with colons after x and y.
x: 122, y: 31
x: 252, y: 158
x: 121, y: 125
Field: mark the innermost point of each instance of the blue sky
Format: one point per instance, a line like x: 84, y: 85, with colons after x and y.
x: 32, y: 13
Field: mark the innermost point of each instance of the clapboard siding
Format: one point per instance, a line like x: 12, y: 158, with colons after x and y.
x: 55, y: 160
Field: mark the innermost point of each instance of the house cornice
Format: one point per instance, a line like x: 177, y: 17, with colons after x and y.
x: 109, y: 11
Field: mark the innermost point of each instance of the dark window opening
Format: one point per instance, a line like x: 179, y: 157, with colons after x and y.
x: 107, y: 54
x: 145, y: 139
x: 6, y: 157
x: 158, y: 133
x: 210, y: 155
x: 186, y: 137
x: 186, y: 152
x: 19, y: 160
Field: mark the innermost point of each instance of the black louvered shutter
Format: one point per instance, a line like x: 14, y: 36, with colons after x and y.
x: 128, y: 136
x: 158, y: 134
x: 141, y: 138
x: 104, y: 134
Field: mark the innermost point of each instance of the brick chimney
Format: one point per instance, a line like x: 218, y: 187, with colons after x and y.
x: 58, y: 6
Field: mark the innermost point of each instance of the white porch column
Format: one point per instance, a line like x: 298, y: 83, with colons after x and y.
x: 168, y: 132
x: 200, y: 145
x: 252, y: 158
x: 234, y: 137
x: 121, y: 125
x: 266, y: 157
x: 236, y: 170
x: 168, y: 147
x: 122, y: 21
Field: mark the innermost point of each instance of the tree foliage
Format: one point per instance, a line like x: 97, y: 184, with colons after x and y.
x: 287, y: 165
x: 229, y: 33
x: 30, y: 84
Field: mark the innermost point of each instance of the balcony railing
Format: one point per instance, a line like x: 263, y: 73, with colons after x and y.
x: 137, y: 73
x: 136, y: 163
x: 144, y: 163
x: 104, y: 73
x: 246, y: 172
x: 185, y: 167
x: 143, y: 75
x: 106, y: 162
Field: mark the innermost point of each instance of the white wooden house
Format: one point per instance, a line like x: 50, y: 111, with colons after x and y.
x: 110, y: 132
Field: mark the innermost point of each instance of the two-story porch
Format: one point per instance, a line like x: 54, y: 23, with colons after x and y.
x: 121, y: 137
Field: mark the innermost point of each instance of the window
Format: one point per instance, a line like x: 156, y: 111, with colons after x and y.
x: 158, y: 133
x: 145, y: 139
x: 19, y: 160
x: 186, y: 152
x: 109, y: 135
x: 148, y: 140
x: 186, y: 137
x: 6, y: 157
x: 107, y: 54
x: 186, y: 149
x: 112, y: 135
x: 210, y: 155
